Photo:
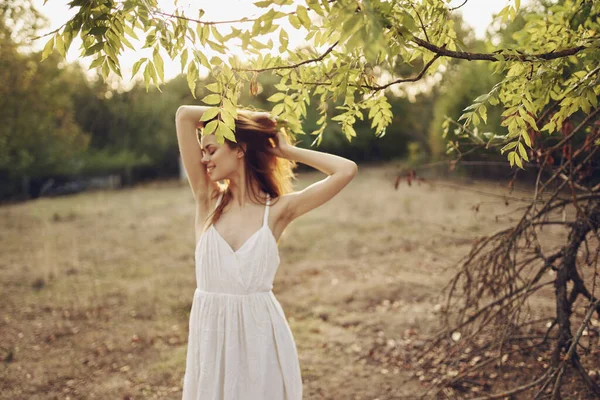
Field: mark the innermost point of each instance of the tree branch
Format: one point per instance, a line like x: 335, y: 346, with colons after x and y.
x: 493, y: 56
x: 234, y: 21
x: 292, y: 66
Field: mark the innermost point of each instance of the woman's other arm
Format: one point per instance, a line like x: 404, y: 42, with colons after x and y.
x: 340, y: 170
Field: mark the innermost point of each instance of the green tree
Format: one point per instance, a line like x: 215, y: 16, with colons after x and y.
x: 374, y: 37
x: 38, y: 134
x: 547, y: 95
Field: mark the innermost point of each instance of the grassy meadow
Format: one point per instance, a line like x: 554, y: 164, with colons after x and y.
x: 96, y: 288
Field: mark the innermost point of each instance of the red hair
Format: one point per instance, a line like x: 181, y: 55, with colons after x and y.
x: 273, y: 174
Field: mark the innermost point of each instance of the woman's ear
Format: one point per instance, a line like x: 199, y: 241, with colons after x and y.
x: 241, y: 150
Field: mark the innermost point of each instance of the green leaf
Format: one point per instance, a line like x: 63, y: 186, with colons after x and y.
x: 228, y: 119
x: 214, y: 87
x: 511, y: 158
x: 229, y: 108
x: 158, y: 63
x: 527, y: 117
x: 314, y: 5
x: 184, y: 58
x: 216, y: 46
x: 108, y: 49
x: 349, y: 131
x: 126, y: 42
x: 283, y: 38
x: 48, y: 48
x: 105, y: 71
x: 278, y: 109
x: 482, y: 98
x: 113, y: 67
x: 130, y: 31
x: 60, y: 45
x: 408, y: 21
x: 94, y: 49
x: 203, y: 60
x: 584, y: 104
x: 518, y: 160
x: 98, y: 30
x: 210, y: 127
x: 465, y: 115
x: 527, y: 139
x: 550, y: 126
x: 303, y: 16
x: 226, y: 132
x: 508, y: 147
x: 210, y: 113
x: 136, y: 66
x: 212, y: 99
x: 153, y: 73
x: 483, y: 113
x: 192, y: 77
x: 591, y: 96
x: 216, y: 33
x: 352, y: 25
x: 471, y: 107
x: 276, y: 97
x: 294, y: 21
x: 523, y: 152
x: 67, y: 38
x: 97, y: 62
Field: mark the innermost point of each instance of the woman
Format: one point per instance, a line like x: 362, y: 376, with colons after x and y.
x: 240, y: 346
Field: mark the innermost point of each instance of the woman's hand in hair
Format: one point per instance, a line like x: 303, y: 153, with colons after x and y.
x: 281, y: 144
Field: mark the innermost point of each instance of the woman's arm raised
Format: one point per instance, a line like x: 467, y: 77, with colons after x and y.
x: 186, y: 121
x: 340, y: 170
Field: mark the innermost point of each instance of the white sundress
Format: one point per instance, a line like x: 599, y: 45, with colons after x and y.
x: 240, y: 346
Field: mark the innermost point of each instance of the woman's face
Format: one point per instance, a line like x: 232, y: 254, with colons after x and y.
x: 220, y: 160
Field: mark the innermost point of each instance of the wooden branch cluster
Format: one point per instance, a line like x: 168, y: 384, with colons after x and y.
x: 488, y: 317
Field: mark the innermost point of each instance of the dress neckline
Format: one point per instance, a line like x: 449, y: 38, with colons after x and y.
x: 264, y: 225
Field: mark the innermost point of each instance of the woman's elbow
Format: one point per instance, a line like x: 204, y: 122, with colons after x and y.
x: 180, y: 112
x: 352, y: 169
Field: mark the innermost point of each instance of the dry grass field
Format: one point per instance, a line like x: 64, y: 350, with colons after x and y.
x: 96, y: 288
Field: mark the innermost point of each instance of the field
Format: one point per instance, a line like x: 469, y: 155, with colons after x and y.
x: 96, y: 288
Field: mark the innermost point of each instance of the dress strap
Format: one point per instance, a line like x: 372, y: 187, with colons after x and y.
x: 266, y: 218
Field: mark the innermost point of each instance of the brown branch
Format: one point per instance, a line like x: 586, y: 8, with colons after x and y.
x: 574, y: 342
x: 556, y: 102
x: 413, y: 79
x: 515, y: 390
x: 456, y: 8
x: 233, y: 21
x: 493, y: 56
x: 560, y: 170
x: 581, y: 125
x: 292, y: 66
x: 421, y: 22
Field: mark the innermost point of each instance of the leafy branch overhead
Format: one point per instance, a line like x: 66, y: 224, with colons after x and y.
x: 352, y: 48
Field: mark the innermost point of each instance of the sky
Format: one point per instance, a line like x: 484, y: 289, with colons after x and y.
x: 476, y: 13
